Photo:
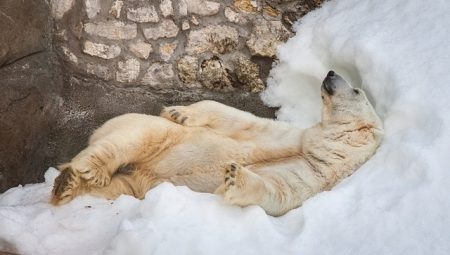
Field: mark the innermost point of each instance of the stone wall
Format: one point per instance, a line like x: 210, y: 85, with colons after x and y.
x: 175, y: 44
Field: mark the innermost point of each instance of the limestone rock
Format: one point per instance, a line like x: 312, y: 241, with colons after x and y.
x: 166, y: 7
x: 185, y: 25
x: 214, y: 75
x: 159, y: 75
x: 247, y: 73
x: 116, y: 8
x: 101, y: 50
x: 194, y: 20
x: 266, y: 36
x: 217, y: 39
x: 247, y: 6
x: 187, y: 69
x: 99, y: 71
x: 143, y: 14
x: 60, y: 7
x: 92, y: 8
x: 202, y: 7
x: 140, y: 49
x: 128, y: 71
x: 114, y: 30
x: 182, y: 7
x: 166, y: 29
x: 234, y: 17
x: 166, y: 50
x: 69, y: 55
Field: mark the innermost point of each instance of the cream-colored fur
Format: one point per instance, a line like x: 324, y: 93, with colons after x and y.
x: 210, y: 147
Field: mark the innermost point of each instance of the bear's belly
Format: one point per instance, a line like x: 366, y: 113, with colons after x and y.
x: 199, y: 160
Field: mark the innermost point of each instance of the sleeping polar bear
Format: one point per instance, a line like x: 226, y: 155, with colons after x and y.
x: 210, y: 147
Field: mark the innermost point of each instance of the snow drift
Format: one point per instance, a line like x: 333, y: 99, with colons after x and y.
x: 397, y: 203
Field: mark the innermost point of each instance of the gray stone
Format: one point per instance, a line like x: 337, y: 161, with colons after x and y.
x: 143, y: 14
x: 202, y: 7
x: 166, y: 50
x: 214, y: 75
x: 217, y: 39
x: 159, y: 75
x: 266, y: 36
x: 24, y: 29
x: 234, y: 17
x: 92, y: 8
x: 247, y: 73
x: 60, y: 7
x: 128, y: 70
x: 99, y: 71
x: 166, y: 29
x: 187, y: 69
x: 166, y: 7
x: 101, y: 50
x: 116, y: 8
x: 140, y: 49
x: 115, y: 30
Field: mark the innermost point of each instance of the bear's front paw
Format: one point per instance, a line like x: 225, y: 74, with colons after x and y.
x: 94, y: 176
x: 66, y: 186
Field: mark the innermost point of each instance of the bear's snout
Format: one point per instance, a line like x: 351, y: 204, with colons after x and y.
x: 328, y: 83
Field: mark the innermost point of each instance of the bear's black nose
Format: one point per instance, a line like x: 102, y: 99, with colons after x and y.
x: 330, y: 73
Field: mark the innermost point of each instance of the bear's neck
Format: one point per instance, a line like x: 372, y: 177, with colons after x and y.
x: 335, y: 151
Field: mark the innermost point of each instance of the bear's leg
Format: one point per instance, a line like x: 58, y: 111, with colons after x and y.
x: 244, y: 187
x: 223, y: 118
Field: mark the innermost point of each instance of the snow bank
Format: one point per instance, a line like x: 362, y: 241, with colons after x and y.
x: 397, y: 203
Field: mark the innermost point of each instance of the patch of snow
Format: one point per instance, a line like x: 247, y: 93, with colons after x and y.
x: 397, y: 203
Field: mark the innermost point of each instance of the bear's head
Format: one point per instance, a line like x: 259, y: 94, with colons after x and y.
x: 344, y: 104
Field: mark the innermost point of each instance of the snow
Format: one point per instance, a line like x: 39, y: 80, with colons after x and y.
x: 396, y: 203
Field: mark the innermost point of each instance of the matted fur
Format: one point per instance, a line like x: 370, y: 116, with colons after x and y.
x: 210, y: 147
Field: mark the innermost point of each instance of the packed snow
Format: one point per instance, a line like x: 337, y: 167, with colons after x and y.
x: 396, y: 203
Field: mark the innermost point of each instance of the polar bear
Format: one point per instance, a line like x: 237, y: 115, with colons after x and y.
x: 211, y: 147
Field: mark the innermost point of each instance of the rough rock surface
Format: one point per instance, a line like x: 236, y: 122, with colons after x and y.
x: 166, y: 29
x: 187, y: 69
x: 166, y: 50
x: 202, y: 7
x: 214, y: 75
x: 128, y: 70
x: 92, y: 8
x: 28, y: 111
x: 141, y: 49
x: 159, y: 75
x: 215, y: 38
x: 143, y: 14
x: 114, y: 30
x: 60, y: 7
x: 24, y: 29
x: 247, y: 73
x: 101, y: 50
x: 166, y: 7
x: 266, y: 36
